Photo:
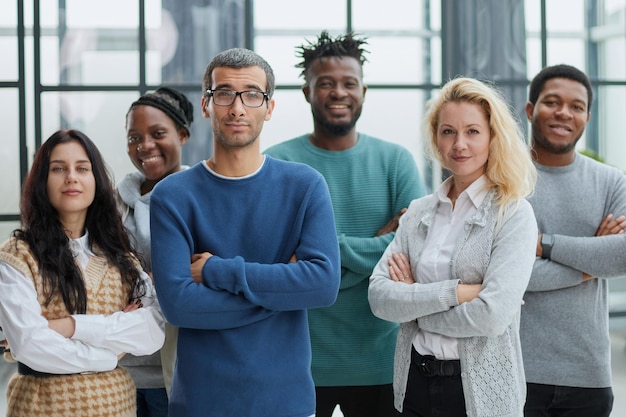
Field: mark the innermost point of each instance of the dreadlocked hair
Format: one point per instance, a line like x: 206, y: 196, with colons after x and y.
x: 325, y: 45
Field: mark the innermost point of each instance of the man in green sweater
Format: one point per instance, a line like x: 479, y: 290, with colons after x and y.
x: 371, y: 183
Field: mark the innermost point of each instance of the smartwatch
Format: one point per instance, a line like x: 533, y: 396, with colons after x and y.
x: 547, y: 241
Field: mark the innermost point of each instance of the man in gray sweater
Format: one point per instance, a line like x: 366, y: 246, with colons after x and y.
x: 579, y: 204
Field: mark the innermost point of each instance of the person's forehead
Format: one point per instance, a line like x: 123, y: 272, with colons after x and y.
x: 69, y: 152
x: 247, y: 76
x: 344, y: 64
x: 565, y: 87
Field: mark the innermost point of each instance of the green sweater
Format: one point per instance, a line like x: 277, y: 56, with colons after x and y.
x: 369, y: 183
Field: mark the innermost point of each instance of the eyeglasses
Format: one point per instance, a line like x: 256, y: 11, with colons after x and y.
x: 250, y: 98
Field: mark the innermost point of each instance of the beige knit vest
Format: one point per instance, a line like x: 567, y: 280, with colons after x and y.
x: 110, y: 394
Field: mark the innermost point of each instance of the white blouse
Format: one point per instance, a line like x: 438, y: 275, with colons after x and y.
x: 97, y: 340
x: 434, y: 264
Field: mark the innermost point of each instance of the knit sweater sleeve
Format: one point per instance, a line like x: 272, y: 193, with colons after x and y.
x: 506, y: 278
x: 573, y: 255
x: 397, y: 301
x: 600, y: 256
x: 361, y: 254
x: 311, y: 282
x: 249, y: 277
x: 185, y: 303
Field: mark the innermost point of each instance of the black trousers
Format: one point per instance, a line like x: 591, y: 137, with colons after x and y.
x: 356, y: 401
x: 432, y: 396
x: 558, y: 401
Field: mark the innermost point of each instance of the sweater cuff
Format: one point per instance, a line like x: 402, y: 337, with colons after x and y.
x: 448, y: 297
x: 89, y: 328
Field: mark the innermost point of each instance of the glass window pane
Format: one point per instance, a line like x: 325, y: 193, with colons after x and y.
x: 328, y: 14
x: 435, y: 15
x: 49, y: 60
x: 611, y: 6
x: 386, y: 50
x: 48, y: 13
x: 565, y: 15
x: 102, y: 49
x: 291, y: 118
x: 94, y: 67
x: 396, y: 116
x: 5, y: 230
x: 405, y: 15
x: 95, y: 46
x: 189, y: 37
x: 9, y: 152
x: 9, y: 67
x: 532, y: 12
x: 435, y: 61
x: 280, y: 53
x: 533, y: 56
x: 611, y: 40
x: 8, y: 17
x: 611, y: 103
x: 109, y: 14
x: 8, y: 40
x: 567, y: 51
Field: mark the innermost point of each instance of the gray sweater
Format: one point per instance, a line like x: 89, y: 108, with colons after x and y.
x: 499, y: 255
x: 564, y: 327
x: 145, y: 370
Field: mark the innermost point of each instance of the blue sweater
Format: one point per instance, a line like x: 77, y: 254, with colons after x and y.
x: 243, y: 347
x: 369, y: 183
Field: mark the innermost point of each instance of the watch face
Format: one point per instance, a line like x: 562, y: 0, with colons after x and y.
x: 546, y: 245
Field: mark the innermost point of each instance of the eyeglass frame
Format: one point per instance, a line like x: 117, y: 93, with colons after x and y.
x: 266, y: 97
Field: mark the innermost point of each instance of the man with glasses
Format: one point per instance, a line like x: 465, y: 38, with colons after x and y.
x: 371, y: 182
x: 242, y: 245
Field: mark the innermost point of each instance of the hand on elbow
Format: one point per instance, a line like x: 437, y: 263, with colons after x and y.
x: 65, y: 326
x: 467, y: 292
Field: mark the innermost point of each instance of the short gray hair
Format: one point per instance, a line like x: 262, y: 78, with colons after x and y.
x: 238, y: 58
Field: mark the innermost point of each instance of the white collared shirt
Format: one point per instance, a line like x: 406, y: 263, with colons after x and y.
x: 434, y: 264
x: 97, y: 339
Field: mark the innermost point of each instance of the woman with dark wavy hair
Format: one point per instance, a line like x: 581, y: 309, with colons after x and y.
x: 73, y: 297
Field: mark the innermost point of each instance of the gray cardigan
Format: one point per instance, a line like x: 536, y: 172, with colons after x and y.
x: 497, y: 253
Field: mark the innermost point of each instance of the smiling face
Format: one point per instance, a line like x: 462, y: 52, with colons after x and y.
x: 463, y: 138
x: 558, y: 118
x: 154, y: 142
x: 336, y: 93
x: 237, y: 126
x: 71, y: 185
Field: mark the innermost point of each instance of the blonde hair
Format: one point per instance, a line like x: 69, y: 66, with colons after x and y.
x: 510, y: 170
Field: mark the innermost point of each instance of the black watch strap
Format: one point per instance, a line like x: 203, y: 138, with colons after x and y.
x: 547, y: 241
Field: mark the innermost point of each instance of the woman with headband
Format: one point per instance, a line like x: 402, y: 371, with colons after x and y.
x: 157, y: 126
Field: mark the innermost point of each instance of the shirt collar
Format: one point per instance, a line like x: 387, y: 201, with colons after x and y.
x: 476, y: 192
x: 81, y: 244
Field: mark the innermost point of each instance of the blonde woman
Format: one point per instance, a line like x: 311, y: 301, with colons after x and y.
x: 455, y: 273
